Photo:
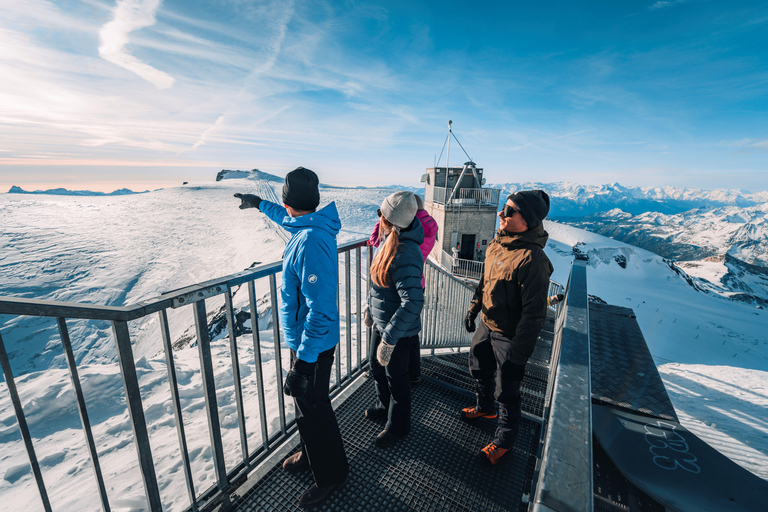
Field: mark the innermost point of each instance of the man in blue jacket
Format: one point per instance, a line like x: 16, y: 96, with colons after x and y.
x: 310, y: 321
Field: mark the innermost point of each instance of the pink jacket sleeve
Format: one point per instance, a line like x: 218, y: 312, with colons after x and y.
x: 374, y: 240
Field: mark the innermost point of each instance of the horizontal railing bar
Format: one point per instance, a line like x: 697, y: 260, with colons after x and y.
x: 36, y: 307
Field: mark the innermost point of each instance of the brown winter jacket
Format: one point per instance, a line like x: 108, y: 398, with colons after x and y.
x: 512, y: 293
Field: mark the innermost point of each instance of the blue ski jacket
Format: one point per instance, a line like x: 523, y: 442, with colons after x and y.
x: 308, y: 311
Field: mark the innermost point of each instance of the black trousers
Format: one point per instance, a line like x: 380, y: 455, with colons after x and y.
x: 318, y: 428
x: 414, y: 360
x: 393, y: 386
x: 497, y: 377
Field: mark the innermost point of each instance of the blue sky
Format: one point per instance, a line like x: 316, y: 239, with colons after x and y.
x: 146, y: 94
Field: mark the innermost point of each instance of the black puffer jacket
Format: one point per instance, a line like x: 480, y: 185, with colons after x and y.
x: 512, y: 293
x: 396, y: 308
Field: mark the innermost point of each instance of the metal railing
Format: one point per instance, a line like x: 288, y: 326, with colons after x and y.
x: 565, y: 481
x: 464, y: 196
x: 461, y: 267
x: 445, y: 305
x: 353, y: 278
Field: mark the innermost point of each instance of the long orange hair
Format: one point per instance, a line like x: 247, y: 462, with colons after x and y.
x: 383, y: 260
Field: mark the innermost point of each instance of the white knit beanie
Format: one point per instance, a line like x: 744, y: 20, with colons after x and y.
x: 399, y: 208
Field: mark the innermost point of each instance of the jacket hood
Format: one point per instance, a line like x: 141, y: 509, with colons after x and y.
x: 413, y: 232
x: 327, y: 219
x: 535, y: 236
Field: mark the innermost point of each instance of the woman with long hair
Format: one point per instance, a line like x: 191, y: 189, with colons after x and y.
x: 395, y: 300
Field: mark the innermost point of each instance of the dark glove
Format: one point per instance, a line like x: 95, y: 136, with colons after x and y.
x: 248, y: 201
x: 469, y: 322
x: 297, y: 381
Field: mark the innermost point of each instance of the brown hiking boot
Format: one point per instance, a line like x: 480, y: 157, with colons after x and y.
x: 492, y: 453
x: 296, y: 462
x: 471, y: 413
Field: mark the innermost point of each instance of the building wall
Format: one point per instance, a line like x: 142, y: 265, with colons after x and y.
x: 480, y: 221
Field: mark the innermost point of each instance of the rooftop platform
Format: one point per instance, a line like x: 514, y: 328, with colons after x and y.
x: 435, y: 468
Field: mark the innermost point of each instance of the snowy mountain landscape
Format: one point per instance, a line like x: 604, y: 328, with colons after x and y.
x: 710, y: 349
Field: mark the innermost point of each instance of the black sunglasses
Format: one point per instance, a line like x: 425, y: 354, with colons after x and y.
x: 508, y: 211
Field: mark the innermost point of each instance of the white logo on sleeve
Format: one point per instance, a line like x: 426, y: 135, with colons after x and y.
x: 312, y: 279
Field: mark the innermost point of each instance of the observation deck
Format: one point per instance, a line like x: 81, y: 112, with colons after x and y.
x: 598, y: 430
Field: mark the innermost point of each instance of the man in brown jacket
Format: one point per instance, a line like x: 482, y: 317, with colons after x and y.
x: 512, y: 296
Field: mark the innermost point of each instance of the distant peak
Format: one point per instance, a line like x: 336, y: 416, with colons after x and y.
x: 253, y: 174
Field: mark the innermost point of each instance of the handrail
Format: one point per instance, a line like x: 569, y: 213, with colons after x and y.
x: 446, y: 301
x: 194, y: 296
x: 565, y: 475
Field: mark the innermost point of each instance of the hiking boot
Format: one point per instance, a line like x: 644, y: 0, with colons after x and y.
x: 471, y: 413
x: 386, y: 438
x: 296, y: 462
x: 316, y: 495
x: 492, y: 453
x: 376, y: 414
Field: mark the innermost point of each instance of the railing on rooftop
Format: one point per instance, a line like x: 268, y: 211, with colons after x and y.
x: 464, y: 196
x: 446, y: 302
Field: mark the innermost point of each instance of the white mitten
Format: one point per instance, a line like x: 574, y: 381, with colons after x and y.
x: 367, y: 320
x: 384, y: 352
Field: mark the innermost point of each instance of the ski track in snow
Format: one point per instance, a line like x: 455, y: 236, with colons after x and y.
x: 711, y: 352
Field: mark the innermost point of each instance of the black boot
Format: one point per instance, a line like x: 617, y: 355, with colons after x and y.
x: 316, y: 495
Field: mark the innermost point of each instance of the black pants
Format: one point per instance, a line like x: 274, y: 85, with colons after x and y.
x: 318, y: 428
x: 393, y: 386
x: 497, y: 377
x: 414, y: 360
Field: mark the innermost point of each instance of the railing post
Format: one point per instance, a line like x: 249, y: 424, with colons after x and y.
x: 565, y: 480
x: 209, y: 391
x: 171, y: 365
x: 23, y: 427
x: 348, y: 310
x: 80, y: 398
x: 236, y: 372
x: 136, y: 414
x: 278, y: 354
x: 257, y: 364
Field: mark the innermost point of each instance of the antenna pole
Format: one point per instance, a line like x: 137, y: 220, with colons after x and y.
x: 448, y: 156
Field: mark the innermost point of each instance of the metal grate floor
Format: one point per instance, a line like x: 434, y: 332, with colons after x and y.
x: 434, y: 469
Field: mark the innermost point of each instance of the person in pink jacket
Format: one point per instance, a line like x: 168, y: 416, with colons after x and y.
x: 430, y: 236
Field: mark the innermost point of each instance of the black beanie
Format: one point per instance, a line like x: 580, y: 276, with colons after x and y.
x: 300, y: 190
x: 533, y: 205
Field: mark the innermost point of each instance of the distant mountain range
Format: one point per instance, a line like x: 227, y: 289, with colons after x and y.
x: 575, y: 200
x: 64, y: 192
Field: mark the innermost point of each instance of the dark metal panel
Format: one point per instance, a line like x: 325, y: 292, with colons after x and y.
x: 136, y: 413
x: 209, y: 391
x: 623, y: 370
x: 565, y: 479
x: 674, y: 466
x: 23, y: 427
x: 170, y: 364
x: 83, y: 412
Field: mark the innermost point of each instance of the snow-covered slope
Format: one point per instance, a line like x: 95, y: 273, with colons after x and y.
x: 712, y: 352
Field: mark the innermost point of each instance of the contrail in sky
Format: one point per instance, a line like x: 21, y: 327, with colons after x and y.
x: 130, y: 15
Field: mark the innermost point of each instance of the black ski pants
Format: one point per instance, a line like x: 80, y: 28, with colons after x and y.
x: 497, y: 377
x: 393, y: 386
x: 318, y: 428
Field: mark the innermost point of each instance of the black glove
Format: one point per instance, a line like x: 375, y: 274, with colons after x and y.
x: 248, y: 201
x: 469, y: 322
x: 297, y: 381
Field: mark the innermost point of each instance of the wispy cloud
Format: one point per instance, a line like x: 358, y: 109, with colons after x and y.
x: 130, y: 15
x: 663, y: 4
